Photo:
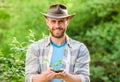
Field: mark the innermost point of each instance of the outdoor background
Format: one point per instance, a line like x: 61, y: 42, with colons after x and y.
x: 96, y: 24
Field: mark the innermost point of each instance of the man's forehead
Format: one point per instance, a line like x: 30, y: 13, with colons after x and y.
x: 56, y: 18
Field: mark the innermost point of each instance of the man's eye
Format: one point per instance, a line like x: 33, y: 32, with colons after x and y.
x: 53, y: 21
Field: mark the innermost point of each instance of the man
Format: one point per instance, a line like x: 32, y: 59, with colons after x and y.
x: 42, y: 56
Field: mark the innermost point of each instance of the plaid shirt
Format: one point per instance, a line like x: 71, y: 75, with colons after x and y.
x: 76, y: 58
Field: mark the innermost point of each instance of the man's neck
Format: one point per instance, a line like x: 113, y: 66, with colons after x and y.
x: 58, y: 41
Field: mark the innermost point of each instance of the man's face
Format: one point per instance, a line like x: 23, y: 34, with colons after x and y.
x: 57, y: 27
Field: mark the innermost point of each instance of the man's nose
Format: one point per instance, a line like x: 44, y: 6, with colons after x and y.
x: 57, y: 25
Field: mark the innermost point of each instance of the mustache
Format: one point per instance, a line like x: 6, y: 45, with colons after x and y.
x: 57, y: 28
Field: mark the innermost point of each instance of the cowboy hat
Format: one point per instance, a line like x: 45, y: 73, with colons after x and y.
x: 57, y: 11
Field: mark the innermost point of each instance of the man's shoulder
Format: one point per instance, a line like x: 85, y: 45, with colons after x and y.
x: 40, y: 42
x: 76, y: 43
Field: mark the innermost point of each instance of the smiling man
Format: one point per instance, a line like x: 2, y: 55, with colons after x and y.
x: 57, y: 27
x: 58, y: 46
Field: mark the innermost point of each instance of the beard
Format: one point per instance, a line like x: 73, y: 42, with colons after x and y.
x: 59, y: 34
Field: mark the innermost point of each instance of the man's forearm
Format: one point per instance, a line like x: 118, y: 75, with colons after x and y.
x: 72, y: 78
x: 44, y: 77
x: 37, y: 78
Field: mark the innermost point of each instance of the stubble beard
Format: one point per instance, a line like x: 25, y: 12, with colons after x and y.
x: 57, y: 36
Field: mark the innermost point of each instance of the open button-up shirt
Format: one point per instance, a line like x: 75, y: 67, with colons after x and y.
x: 76, y: 58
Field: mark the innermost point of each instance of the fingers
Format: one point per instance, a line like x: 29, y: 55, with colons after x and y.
x: 58, y: 76
x: 61, y: 75
x: 51, y: 75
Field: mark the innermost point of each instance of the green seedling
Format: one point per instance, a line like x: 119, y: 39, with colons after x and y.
x: 55, y: 64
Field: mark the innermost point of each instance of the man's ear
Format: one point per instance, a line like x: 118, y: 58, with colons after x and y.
x: 68, y: 20
x: 46, y: 19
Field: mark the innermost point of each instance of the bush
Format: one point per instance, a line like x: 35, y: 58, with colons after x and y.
x: 12, y: 68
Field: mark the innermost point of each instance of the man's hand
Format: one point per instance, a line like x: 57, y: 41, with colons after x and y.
x: 67, y: 77
x: 61, y: 74
x: 44, y: 77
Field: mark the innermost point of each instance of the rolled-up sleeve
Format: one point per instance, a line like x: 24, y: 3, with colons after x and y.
x: 32, y: 62
x: 82, y: 64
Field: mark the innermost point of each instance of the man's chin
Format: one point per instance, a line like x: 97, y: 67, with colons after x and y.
x: 58, y: 36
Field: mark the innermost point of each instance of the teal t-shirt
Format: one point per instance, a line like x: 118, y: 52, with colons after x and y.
x: 57, y: 56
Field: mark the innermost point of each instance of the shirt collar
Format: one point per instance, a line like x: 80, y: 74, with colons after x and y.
x: 68, y: 39
x: 47, y: 40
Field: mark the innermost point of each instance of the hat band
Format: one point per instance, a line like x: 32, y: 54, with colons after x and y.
x: 53, y: 14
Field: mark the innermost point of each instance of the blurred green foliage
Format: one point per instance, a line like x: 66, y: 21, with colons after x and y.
x: 97, y: 24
